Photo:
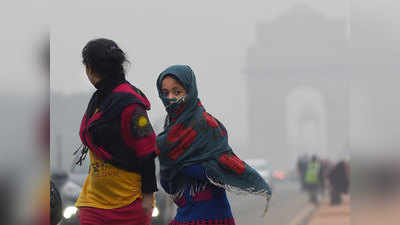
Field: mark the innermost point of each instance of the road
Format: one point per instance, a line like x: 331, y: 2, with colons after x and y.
x: 286, y: 205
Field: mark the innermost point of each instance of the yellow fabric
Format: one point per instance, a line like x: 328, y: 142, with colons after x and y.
x: 108, y: 187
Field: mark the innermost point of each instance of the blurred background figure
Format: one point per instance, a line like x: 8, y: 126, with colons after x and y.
x: 302, y: 163
x: 5, y: 190
x: 55, y: 205
x: 339, y: 182
x: 313, y: 179
x: 24, y: 184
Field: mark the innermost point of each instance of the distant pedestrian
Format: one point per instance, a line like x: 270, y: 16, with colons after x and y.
x: 302, y: 163
x: 313, y: 178
x: 339, y: 181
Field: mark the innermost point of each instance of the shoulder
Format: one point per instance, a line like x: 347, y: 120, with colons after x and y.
x: 136, y: 118
x: 127, y: 87
x: 134, y: 110
x: 126, y: 92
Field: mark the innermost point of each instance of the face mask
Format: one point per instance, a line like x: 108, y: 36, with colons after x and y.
x: 171, y: 102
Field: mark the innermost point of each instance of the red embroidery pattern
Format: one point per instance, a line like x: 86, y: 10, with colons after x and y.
x: 175, y: 133
x: 210, y: 120
x: 233, y: 162
x: 188, y: 135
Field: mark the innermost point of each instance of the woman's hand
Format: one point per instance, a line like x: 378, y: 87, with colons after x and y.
x: 147, y: 203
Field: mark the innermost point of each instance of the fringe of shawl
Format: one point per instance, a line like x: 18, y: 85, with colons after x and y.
x: 241, y: 191
x: 198, y: 187
x: 193, y: 189
x: 79, y: 158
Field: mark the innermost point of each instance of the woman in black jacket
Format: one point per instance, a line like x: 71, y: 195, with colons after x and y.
x: 117, y: 134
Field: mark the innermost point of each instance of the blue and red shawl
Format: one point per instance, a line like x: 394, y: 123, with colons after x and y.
x: 193, y: 136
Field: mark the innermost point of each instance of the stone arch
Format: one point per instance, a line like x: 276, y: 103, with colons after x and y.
x: 306, y: 124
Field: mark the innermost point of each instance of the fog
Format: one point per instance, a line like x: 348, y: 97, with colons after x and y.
x: 286, y: 78
x: 283, y: 77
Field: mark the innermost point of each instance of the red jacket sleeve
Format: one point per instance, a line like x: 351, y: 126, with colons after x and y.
x: 137, y: 131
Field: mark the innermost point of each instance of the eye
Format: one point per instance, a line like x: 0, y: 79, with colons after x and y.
x: 165, y: 93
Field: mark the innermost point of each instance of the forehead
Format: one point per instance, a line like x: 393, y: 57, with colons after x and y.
x: 169, y: 82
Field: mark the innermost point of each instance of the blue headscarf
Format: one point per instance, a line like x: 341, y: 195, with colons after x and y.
x: 192, y: 136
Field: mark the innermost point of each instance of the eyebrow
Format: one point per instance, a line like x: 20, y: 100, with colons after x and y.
x: 177, y: 88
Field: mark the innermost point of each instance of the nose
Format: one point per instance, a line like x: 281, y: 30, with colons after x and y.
x: 170, y: 95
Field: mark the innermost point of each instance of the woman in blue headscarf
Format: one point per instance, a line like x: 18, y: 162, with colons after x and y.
x: 197, y: 165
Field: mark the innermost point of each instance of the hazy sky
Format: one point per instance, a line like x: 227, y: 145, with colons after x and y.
x: 210, y: 36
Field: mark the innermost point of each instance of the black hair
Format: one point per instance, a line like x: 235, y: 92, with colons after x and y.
x: 104, y: 58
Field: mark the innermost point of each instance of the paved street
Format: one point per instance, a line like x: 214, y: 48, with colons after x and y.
x: 332, y: 215
x: 286, y: 204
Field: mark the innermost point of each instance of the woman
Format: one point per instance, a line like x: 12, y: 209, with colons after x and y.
x: 196, y: 163
x: 120, y: 140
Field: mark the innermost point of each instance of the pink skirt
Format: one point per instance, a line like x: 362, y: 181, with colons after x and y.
x: 132, y: 214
